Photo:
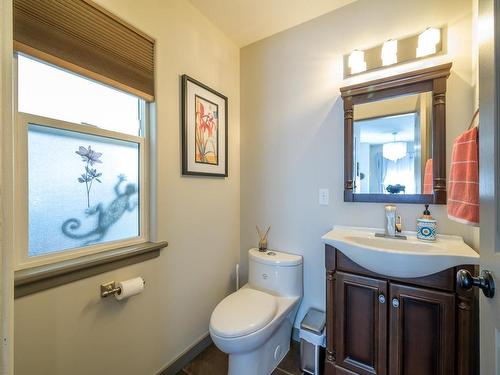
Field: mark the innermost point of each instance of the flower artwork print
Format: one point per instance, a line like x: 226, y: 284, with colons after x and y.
x: 82, y: 192
x: 206, y: 132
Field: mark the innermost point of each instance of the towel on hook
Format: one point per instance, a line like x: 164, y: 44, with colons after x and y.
x: 463, y: 188
x: 428, y: 185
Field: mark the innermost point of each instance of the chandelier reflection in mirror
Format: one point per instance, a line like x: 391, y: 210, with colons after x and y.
x: 394, y: 150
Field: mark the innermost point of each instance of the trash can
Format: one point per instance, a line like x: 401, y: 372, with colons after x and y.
x: 312, y: 341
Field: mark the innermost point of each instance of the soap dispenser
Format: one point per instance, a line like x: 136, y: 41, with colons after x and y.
x: 426, y: 226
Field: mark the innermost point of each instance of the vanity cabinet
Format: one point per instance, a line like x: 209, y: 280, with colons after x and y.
x: 382, y: 325
x: 361, y: 323
x: 422, y: 327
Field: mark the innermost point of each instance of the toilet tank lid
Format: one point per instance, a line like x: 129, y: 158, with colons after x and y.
x: 275, y: 258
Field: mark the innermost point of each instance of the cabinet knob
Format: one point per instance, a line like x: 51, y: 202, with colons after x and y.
x: 484, y: 282
x: 395, y: 302
x: 381, y: 298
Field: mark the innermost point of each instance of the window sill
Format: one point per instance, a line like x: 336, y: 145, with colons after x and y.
x: 36, y: 279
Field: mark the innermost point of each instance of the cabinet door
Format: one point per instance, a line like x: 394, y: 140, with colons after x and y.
x: 422, y: 324
x: 360, y: 324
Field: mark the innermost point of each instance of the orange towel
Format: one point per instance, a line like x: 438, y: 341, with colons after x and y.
x: 428, y: 186
x: 463, y: 189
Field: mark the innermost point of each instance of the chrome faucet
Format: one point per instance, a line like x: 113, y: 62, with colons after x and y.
x: 390, y: 220
x: 393, y: 223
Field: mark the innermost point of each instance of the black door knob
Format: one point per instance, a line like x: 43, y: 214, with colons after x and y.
x: 484, y: 282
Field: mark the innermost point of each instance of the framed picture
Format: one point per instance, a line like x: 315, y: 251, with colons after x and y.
x: 204, y: 130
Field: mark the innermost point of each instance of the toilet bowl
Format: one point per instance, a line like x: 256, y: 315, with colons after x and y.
x: 254, y: 324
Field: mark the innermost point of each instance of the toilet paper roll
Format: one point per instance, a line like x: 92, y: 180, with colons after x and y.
x: 130, y: 288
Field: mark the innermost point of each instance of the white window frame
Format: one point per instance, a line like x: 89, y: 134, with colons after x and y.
x: 20, y: 160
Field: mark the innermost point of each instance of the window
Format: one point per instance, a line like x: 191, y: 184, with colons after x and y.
x: 81, y: 164
x: 55, y: 93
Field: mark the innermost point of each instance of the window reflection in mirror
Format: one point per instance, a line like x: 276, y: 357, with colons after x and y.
x: 393, y: 146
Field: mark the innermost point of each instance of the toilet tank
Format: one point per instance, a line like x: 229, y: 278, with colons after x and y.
x: 275, y: 271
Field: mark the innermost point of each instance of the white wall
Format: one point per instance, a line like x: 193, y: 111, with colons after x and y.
x: 292, y: 124
x: 69, y: 329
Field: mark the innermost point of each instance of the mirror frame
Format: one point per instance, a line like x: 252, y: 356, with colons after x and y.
x: 431, y: 79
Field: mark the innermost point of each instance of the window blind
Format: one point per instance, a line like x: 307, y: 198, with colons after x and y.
x: 83, y: 37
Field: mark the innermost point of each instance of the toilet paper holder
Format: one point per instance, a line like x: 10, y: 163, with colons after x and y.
x: 111, y: 288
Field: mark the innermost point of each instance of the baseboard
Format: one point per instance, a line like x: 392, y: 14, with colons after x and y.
x: 187, y: 356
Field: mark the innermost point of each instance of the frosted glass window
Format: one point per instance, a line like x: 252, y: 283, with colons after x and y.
x: 83, y: 189
x: 47, y: 91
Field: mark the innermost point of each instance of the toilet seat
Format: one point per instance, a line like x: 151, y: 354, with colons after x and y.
x: 242, y: 313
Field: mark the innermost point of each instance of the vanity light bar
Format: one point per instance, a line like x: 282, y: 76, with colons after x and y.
x: 428, y: 43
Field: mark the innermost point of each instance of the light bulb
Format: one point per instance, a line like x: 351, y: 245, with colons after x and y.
x: 357, y: 62
x: 427, y: 41
x: 390, y: 52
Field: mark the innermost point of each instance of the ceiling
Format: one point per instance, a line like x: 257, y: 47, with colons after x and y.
x: 381, y: 130
x: 247, y: 21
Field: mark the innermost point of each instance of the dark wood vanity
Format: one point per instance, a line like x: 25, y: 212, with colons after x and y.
x: 384, y: 325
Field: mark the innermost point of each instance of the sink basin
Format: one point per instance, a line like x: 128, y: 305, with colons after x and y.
x: 408, y: 258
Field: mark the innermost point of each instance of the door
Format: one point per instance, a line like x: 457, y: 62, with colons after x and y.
x: 489, y: 321
x: 421, y: 331
x: 360, y: 324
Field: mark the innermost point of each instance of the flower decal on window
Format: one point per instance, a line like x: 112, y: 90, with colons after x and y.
x: 89, y: 157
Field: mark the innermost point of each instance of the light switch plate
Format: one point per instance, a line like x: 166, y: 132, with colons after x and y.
x: 324, y: 197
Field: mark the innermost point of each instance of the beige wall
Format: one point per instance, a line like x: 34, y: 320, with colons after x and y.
x: 6, y: 206
x: 292, y: 124
x: 69, y: 329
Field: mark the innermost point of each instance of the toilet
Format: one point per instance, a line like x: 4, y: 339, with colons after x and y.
x: 254, y: 324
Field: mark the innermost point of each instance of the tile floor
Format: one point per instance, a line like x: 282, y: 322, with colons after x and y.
x: 214, y: 362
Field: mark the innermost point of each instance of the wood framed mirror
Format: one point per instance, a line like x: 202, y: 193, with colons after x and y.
x: 395, y: 138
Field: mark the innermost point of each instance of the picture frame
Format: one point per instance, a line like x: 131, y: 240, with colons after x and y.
x: 204, y: 130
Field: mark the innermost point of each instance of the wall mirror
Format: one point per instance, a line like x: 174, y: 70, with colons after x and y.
x: 395, y: 138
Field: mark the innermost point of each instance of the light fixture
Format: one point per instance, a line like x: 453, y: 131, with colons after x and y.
x: 356, y: 62
x: 394, y: 150
x: 427, y: 41
x: 390, y: 52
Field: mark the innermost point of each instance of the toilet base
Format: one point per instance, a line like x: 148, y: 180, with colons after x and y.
x: 264, y: 359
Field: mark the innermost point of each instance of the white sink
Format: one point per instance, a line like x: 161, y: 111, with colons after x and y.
x: 400, y: 258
